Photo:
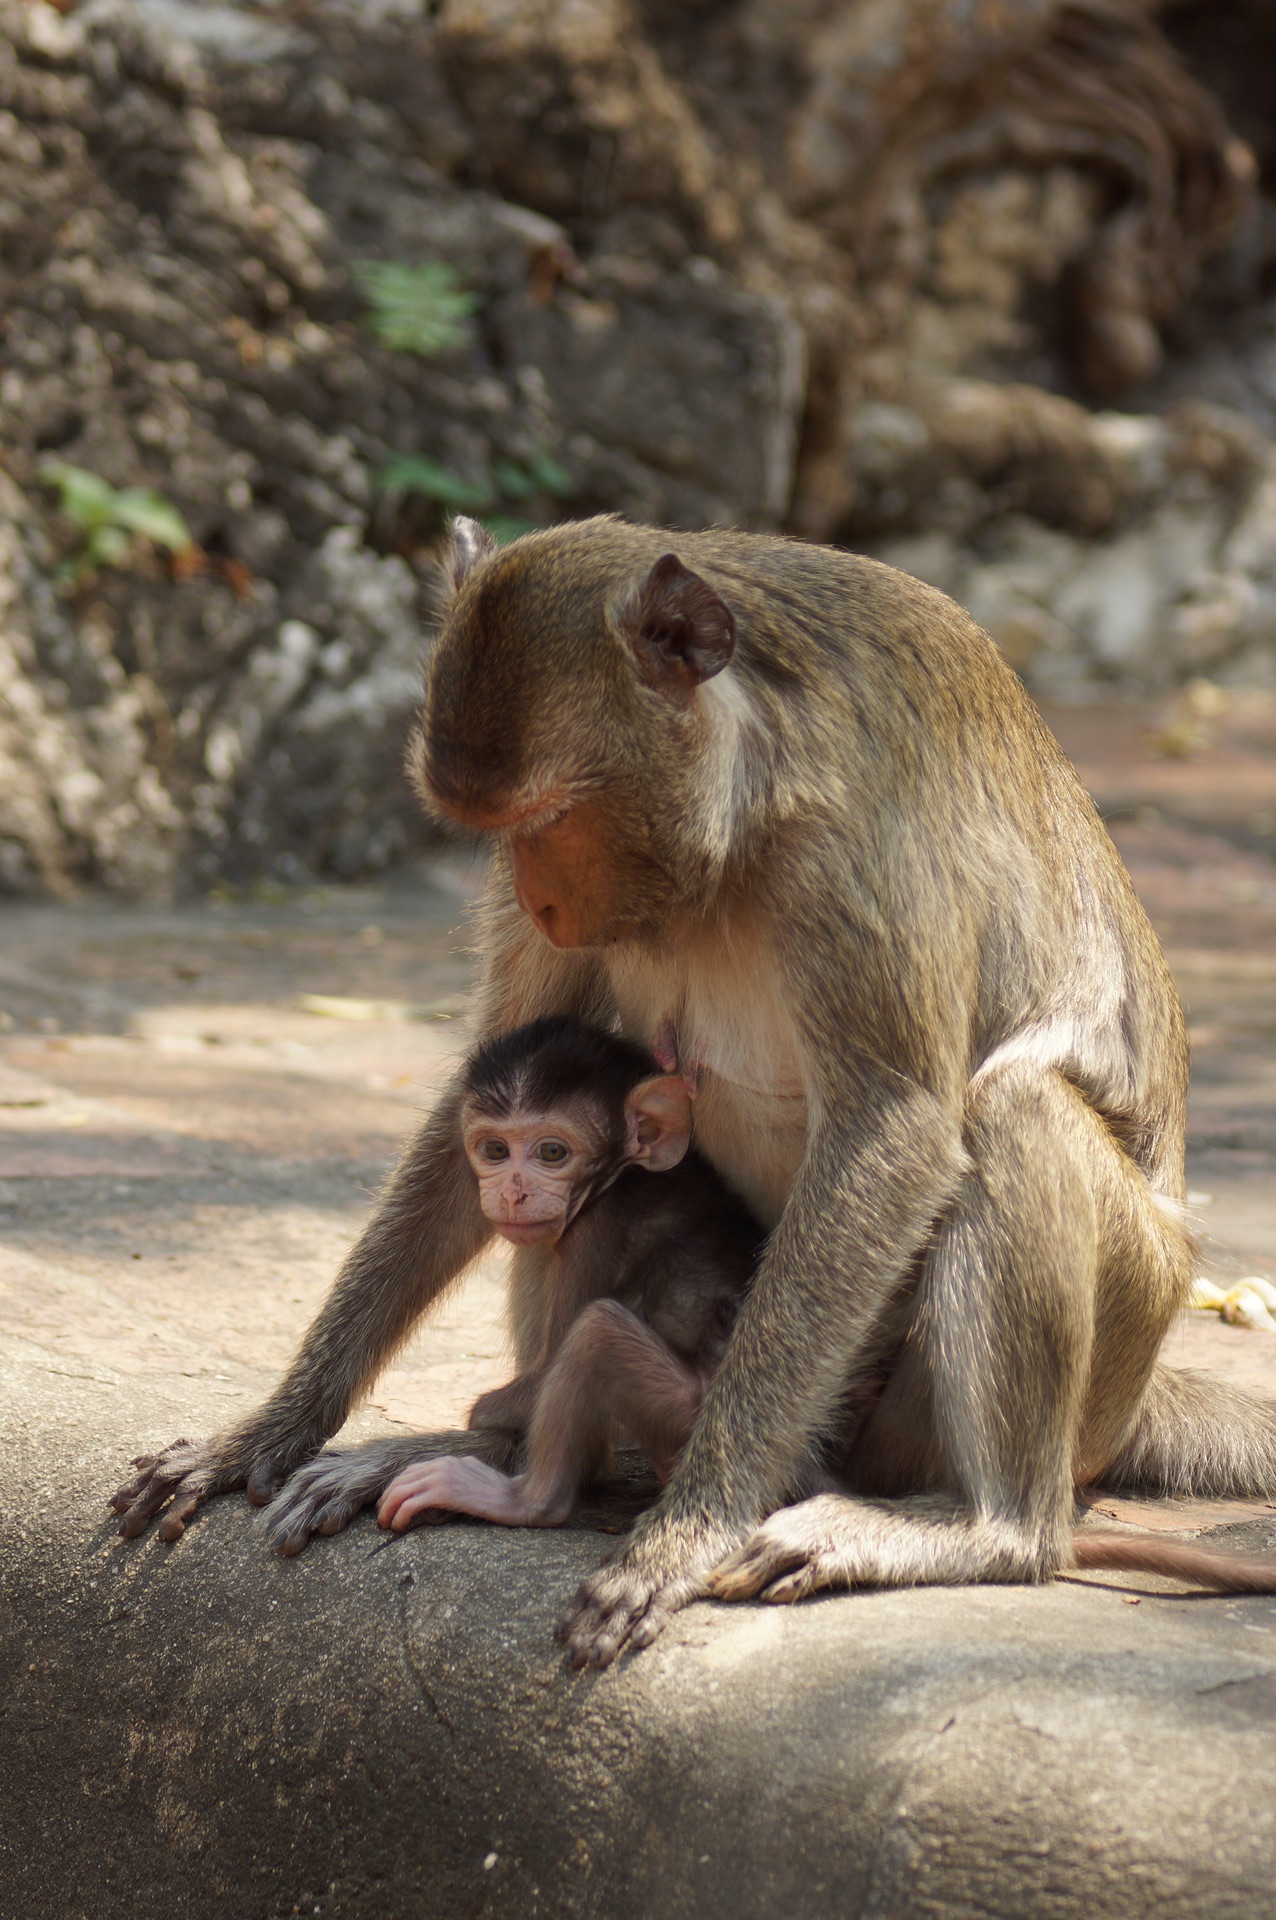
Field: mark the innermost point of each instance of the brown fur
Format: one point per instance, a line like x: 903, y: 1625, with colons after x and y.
x: 939, y: 1048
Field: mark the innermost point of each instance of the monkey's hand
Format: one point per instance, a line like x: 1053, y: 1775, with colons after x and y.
x: 629, y: 1602
x: 327, y: 1493
x: 185, y: 1474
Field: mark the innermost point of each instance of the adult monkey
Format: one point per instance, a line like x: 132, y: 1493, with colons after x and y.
x: 795, y: 801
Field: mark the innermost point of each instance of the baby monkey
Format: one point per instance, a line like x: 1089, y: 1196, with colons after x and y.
x: 624, y: 1289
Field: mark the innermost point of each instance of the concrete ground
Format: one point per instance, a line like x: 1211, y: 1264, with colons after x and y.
x: 194, y: 1107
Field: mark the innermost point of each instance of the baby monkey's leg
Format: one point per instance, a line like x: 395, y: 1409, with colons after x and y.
x: 610, y: 1371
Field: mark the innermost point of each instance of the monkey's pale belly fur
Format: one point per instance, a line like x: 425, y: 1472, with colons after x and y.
x: 751, y: 1114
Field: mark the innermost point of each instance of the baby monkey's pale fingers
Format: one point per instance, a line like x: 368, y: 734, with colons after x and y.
x: 460, y: 1484
x: 416, y: 1489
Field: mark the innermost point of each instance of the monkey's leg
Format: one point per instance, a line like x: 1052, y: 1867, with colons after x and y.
x: 327, y: 1493
x: 507, y: 1409
x: 1053, y: 1219
x: 611, y: 1370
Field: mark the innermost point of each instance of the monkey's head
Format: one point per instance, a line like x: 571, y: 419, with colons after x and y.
x: 554, y: 1112
x: 565, y: 710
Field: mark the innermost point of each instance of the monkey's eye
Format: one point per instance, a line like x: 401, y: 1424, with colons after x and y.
x: 494, y: 1150
x: 552, y: 1152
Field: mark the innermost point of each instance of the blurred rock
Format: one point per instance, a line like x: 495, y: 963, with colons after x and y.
x: 178, y: 311
x: 855, y: 269
x: 1096, y: 549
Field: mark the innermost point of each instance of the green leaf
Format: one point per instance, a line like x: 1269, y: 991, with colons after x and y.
x: 104, y: 546
x: 414, y: 473
x: 83, y: 497
x: 422, y: 309
x: 542, y: 474
x: 144, y: 511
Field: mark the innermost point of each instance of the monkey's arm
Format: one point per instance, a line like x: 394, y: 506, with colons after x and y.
x: 427, y: 1227
x: 883, y: 1160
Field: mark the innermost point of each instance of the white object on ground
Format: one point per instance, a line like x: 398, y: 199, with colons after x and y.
x: 1249, y: 1303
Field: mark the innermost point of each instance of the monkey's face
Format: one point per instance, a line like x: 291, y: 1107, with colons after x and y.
x: 562, y: 711
x: 589, y: 877
x: 535, y: 1170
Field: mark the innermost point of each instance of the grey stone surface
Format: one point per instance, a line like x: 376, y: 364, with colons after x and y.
x: 209, y: 1732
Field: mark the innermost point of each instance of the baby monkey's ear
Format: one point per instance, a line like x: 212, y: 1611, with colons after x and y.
x: 658, y: 1122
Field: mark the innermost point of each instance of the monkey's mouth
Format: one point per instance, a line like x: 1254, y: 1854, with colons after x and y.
x: 522, y: 1233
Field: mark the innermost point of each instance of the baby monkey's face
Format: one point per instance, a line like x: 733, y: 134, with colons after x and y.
x: 535, y: 1170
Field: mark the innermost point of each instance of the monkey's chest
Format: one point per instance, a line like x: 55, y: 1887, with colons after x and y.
x: 731, y: 1029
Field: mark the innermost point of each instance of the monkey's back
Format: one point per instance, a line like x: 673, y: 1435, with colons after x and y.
x: 690, y: 1247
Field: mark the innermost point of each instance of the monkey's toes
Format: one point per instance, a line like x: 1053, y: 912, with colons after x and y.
x: 757, y: 1564
x: 797, y: 1585
x: 173, y: 1525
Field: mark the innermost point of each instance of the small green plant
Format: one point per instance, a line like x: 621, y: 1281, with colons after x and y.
x: 542, y: 474
x: 111, y: 519
x: 422, y: 309
x: 414, y: 473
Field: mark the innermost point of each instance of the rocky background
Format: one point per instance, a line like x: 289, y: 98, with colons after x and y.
x: 988, y: 291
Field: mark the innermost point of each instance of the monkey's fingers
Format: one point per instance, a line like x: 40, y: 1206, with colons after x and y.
x: 161, y: 1476
x: 616, y: 1605
x: 661, y: 1609
x: 173, y: 1525
x: 321, y: 1497
x: 122, y: 1500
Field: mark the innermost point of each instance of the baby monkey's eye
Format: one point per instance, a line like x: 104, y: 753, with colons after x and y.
x: 494, y: 1150
x: 552, y: 1152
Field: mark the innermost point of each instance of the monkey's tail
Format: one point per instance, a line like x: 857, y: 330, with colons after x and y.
x: 1196, y: 1435
x: 1127, y: 1552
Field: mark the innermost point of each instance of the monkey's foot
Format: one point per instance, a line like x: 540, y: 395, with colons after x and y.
x: 633, y: 1600
x: 797, y: 1551
x: 185, y: 1474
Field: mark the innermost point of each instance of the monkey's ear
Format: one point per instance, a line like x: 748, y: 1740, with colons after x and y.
x: 471, y: 544
x: 679, y: 629
x: 658, y: 1122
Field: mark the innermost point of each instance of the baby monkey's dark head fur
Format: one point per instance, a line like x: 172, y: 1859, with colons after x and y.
x: 554, y: 1061
x: 555, y: 1111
